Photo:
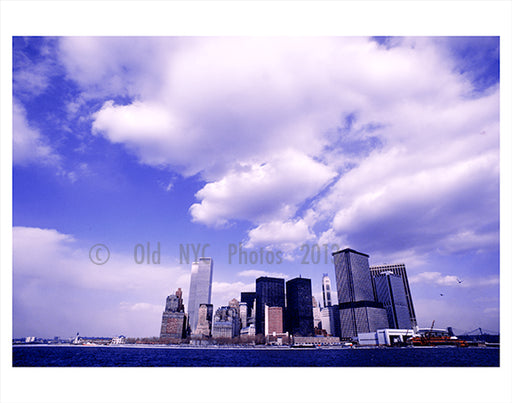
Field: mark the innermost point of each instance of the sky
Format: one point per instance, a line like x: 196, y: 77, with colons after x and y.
x: 286, y: 147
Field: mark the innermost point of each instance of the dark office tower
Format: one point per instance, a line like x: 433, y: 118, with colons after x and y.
x: 299, y: 307
x: 200, y: 288
x: 359, y: 312
x: 390, y: 291
x: 398, y: 269
x: 248, y: 298
x: 326, y: 290
x: 270, y: 292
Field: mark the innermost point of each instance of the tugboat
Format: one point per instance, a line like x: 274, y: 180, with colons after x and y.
x: 436, y: 338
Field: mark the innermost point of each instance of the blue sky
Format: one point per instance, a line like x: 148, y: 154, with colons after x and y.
x: 386, y: 145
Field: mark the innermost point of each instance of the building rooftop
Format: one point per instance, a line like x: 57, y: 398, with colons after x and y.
x: 350, y: 250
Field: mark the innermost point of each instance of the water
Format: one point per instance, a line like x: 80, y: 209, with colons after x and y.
x: 124, y: 356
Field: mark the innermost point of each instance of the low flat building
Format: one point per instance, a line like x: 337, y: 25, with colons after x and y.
x: 315, y: 341
x: 385, y: 337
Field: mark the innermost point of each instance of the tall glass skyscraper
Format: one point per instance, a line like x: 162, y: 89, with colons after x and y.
x: 398, y: 269
x: 299, y: 307
x: 390, y: 291
x: 270, y: 292
x: 326, y: 290
x: 359, y: 312
x: 200, y: 289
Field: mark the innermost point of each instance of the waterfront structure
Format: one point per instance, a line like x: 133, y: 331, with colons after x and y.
x: 248, y: 331
x: 398, y: 269
x: 389, y: 289
x: 331, y: 320
x: 359, y: 312
x: 243, y: 314
x: 326, y: 290
x: 249, y: 298
x: 173, y: 318
x: 204, y: 323
x: 299, y: 307
x: 385, y: 337
x: 316, y: 341
x: 270, y: 292
x: 317, y: 316
x: 118, y: 340
x: 200, y: 288
x: 273, y: 320
x: 226, y: 323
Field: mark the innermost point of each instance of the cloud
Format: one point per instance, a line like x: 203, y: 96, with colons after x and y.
x: 261, y: 192
x: 286, y: 235
x: 29, y: 146
x: 58, y: 290
x: 418, y: 192
x: 268, y: 123
x: 223, y: 292
x: 34, y: 65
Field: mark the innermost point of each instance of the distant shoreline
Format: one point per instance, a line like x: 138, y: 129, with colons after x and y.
x: 290, y: 348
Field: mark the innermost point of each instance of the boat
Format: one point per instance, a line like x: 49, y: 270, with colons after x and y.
x: 437, y: 338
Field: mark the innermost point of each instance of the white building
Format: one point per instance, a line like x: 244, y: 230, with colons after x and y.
x: 317, y: 316
x: 385, y: 337
x: 243, y: 314
x: 118, y: 340
x: 326, y: 290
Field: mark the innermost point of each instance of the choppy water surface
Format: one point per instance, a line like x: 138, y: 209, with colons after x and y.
x: 96, y: 356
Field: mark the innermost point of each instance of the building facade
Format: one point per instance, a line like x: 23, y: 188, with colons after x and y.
x: 398, y: 269
x: 173, y: 318
x: 299, y: 307
x: 226, y: 323
x: 331, y: 320
x: 317, y: 315
x: 359, y: 312
x: 200, y: 289
x: 273, y: 320
x: 270, y: 292
x: 326, y: 290
x: 243, y: 314
x: 249, y: 298
x: 390, y: 290
x: 204, y: 323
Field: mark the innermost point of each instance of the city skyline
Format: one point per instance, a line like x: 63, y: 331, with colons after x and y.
x: 280, y: 149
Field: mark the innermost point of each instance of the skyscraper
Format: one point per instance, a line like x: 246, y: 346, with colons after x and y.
x: 390, y: 291
x: 200, y: 288
x: 400, y: 270
x: 204, y: 323
x: 299, y: 307
x: 273, y: 320
x: 248, y: 298
x: 331, y: 320
x: 317, y: 316
x: 270, y: 292
x: 326, y: 290
x: 173, y: 317
x: 359, y: 312
x: 226, y: 323
x: 243, y: 314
